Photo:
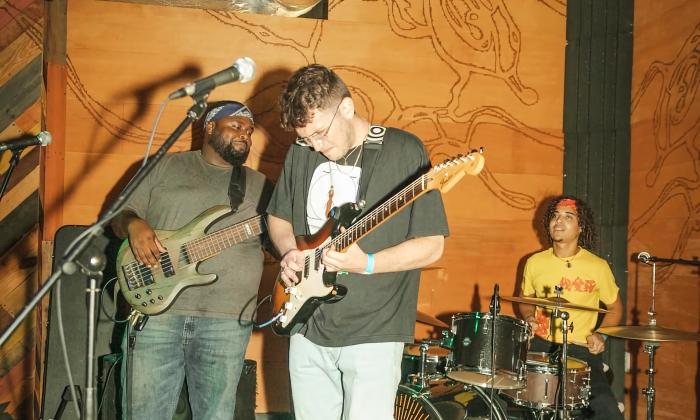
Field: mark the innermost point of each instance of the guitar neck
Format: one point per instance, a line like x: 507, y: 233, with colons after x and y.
x: 380, y: 214
x: 212, y: 244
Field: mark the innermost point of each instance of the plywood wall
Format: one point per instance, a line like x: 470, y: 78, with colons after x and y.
x: 459, y: 75
x: 665, y: 198
x: 21, y: 24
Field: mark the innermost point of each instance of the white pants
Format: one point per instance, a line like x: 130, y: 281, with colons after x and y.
x: 350, y: 383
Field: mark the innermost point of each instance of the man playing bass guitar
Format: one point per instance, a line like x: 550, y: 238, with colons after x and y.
x: 204, y: 334
x: 345, y: 359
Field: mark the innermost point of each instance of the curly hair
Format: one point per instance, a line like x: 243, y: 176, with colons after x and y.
x: 588, y: 237
x: 309, y: 88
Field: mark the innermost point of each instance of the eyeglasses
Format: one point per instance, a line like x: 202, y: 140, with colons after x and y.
x: 319, y: 135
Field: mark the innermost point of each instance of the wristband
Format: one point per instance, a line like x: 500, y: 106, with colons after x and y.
x: 369, y: 268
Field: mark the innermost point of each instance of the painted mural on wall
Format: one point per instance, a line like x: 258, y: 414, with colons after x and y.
x: 474, y: 40
x: 672, y: 86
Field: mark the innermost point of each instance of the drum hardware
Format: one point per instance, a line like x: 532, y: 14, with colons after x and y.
x: 563, y: 365
x: 423, y: 363
x: 652, y: 335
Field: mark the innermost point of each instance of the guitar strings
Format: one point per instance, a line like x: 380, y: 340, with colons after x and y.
x: 239, y: 231
x: 347, y: 236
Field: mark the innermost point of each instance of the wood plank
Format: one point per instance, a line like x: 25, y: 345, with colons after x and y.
x: 16, y: 56
x: 20, y: 191
x: 28, y: 162
x: 30, y: 17
x: 14, y: 9
x: 20, y: 92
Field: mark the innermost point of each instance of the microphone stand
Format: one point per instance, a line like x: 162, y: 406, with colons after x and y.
x: 13, y: 162
x: 76, y: 249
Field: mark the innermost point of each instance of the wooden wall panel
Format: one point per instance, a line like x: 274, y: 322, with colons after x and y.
x: 495, y: 82
x: 20, y: 88
x: 665, y: 198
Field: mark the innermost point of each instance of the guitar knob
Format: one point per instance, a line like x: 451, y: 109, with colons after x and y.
x: 291, y: 290
x: 288, y: 305
x: 282, y: 319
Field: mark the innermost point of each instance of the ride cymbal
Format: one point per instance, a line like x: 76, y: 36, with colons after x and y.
x: 649, y: 333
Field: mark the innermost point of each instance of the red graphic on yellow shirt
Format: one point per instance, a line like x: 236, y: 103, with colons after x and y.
x: 578, y: 285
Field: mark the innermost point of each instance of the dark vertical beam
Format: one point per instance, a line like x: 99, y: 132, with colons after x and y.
x: 51, y: 161
x: 597, y: 98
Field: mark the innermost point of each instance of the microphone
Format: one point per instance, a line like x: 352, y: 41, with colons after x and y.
x: 645, y: 257
x: 41, y: 139
x: 242, y: 71
x: 495, y: 304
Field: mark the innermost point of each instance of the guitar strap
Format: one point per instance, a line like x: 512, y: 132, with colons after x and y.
x: 236, y: 187
x: 372, y: 147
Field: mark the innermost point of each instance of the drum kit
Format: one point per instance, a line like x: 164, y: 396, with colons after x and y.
x: 480, y: 368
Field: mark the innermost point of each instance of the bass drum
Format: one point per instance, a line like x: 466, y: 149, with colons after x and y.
x: 446, y: 400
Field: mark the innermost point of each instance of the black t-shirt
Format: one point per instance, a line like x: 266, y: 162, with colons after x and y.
x: 378, y: 307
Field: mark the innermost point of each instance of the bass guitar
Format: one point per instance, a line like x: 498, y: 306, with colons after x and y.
x: 292, y: 306
x: 152, y: 290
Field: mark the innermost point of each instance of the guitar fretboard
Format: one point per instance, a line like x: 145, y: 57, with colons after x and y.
x: 210, y: 245
x: 377, y: 216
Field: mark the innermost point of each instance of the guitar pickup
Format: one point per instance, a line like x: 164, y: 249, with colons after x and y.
x: 167, y: 265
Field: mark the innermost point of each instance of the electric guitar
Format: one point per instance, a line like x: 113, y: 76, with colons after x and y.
x: 292, y: 306
x: 152, y: 290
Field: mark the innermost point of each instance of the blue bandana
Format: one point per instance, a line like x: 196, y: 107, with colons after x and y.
x: 228, y: 109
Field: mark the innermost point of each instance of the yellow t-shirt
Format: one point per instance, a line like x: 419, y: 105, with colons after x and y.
x: 587, y: 281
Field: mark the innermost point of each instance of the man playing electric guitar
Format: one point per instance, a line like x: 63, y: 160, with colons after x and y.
x: 345, y: 360
x: 203, y: 336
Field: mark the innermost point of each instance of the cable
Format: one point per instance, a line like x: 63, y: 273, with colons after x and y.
x: 65, y: 349
x: 102, y: 397
x: 102, y: 307
x: 255, y: 312
x: 153, y: 130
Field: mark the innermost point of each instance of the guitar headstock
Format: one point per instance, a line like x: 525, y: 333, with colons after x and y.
x: 446, y: 174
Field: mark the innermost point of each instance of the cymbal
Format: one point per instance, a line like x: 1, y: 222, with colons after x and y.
x: 424, y: 318
x: 552, y: 303
x: 649, y: 333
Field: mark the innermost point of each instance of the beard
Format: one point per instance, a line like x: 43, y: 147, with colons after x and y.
x: 227, y: 150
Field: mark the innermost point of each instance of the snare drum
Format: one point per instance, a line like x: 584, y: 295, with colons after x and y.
x: 435, y: 362
x: 471, y: 358
x: 543, y: 382
x: 446, y: 400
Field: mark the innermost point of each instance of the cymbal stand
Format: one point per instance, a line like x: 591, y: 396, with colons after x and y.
x: 563, y: 362
x: 651, y: 347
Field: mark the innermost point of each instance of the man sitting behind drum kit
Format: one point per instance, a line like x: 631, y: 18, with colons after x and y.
x: 584, y: 279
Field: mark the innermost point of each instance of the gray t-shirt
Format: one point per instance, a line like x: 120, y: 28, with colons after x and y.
x: 379, y: 307
x: 180, y: 188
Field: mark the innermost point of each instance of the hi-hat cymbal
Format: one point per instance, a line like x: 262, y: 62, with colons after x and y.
x: 424, y: 318
x: 649, y: 333
x: 552, y: 303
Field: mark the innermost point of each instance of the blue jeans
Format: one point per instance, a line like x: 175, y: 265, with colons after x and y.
x: 209, y: 352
